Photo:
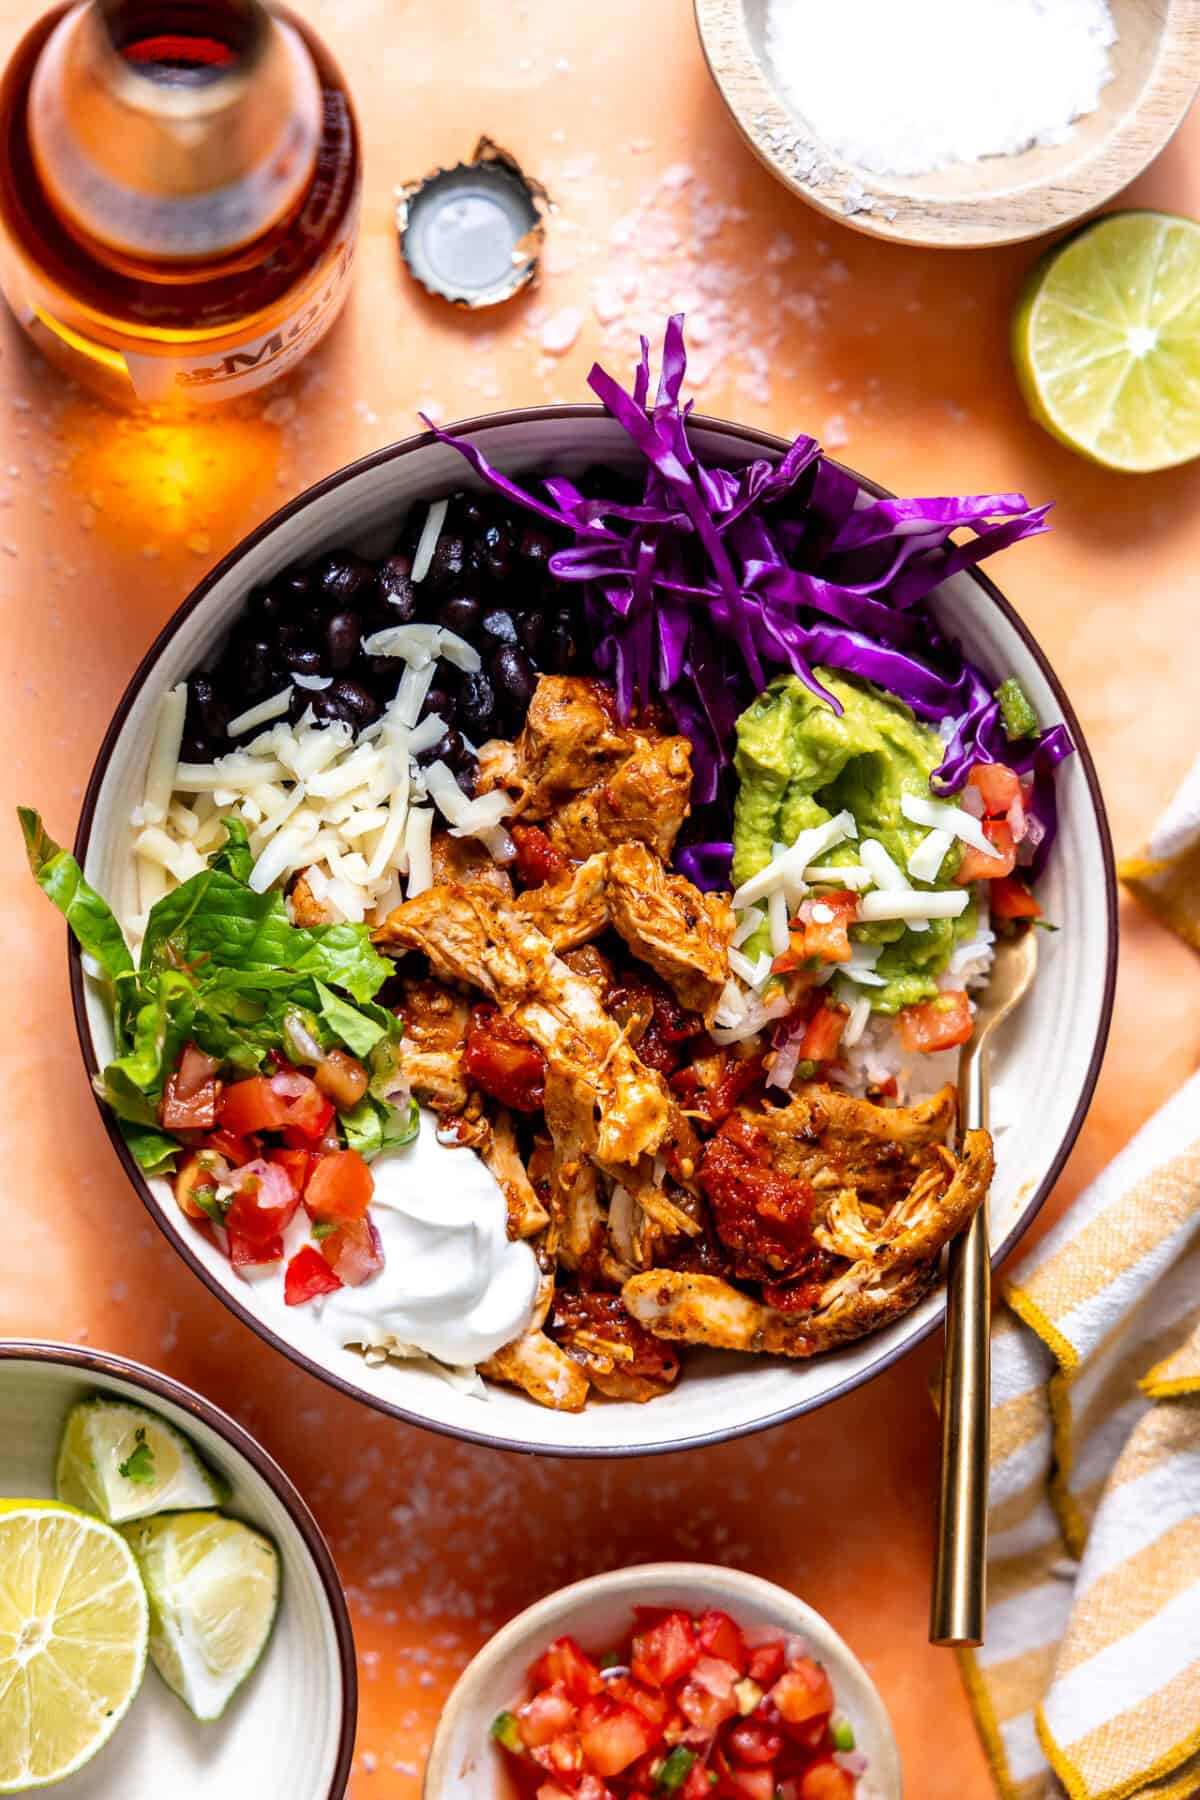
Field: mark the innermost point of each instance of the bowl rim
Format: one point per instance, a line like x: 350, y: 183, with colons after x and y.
x: 756, y: 440
x: 1065, y: 198
x: 553, y: 1611
x: 165, y: 1387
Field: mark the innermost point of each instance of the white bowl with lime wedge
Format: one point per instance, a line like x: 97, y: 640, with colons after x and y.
x: 169, y: 1608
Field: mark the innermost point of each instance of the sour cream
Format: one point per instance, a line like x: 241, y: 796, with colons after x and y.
x: 453, y: 1284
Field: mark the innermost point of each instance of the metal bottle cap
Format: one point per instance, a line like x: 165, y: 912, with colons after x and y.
x: 473, y: 234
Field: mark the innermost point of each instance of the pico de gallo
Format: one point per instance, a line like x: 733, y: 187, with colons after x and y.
x: 688, y: 1706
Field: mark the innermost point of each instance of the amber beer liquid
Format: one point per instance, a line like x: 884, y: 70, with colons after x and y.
x: 179, y: 195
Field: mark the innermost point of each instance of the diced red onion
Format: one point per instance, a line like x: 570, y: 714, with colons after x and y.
x: 853, y: 1761
x: 971, y: 801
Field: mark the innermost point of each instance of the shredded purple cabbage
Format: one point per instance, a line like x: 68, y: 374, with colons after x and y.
x: 719, y: 578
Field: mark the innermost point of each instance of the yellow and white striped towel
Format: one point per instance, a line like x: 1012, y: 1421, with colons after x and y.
x: 1089, y: 1676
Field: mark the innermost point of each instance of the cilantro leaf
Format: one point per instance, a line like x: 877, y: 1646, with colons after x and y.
x: 139, y: 1464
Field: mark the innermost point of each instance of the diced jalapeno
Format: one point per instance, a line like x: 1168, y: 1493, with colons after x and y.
x: 506, y: 1731
x: 842, y: 1733
x: 675, y: 1769
x: 1016, y: 709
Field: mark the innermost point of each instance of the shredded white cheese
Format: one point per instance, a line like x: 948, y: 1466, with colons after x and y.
x: 940, y: 815
x: 929, y: 855
x: 916, y: 906
x: 164, y: 754
x: 431, y: 531
x: 262, y: 714
x: 788, y: 869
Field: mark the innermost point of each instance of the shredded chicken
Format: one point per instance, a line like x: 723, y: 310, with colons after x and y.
x: 704, y: 1309
x: 536, y: 1364
x: 465, y: 861
x: 472, y: 935
x: 526, y: 1214
x: 681, y: 933
x: 306, y: 909
x: 834, y: 1141
x: 594, y: 782
x: 623, y: 1361
x: 431, y: 1049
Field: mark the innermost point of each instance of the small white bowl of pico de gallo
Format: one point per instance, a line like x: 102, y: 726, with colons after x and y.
x: 671, y: 1681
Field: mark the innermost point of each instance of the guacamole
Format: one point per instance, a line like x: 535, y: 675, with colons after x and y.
x: 798, y: 763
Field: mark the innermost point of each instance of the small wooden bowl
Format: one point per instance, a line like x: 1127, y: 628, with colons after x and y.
x: 1000, y: 199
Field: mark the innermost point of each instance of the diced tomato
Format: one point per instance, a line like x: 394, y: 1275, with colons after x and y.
x: 696, y: 1786
x: 705, y: 1710
x: 544, y: 1717
x: 339, y: 1188
x: 754, y: 1744
x: 666, y: 1652
x: 354, y: 1252
x: 720, y: 1637
x: 747, y: 1784
x: 550, y: 1790
x: 1009, y: 898
x: 263, y: 1204
x: 613, y: 1736
x: 296, y: 1164
x: 501, y: 1059
x: 998, y: 787
x: 237, y: 1151
x: 192, y: 1091
x: 826, y: 1780
x: 342, y: 1079
x: 198, y: 1175
x: 823, y: 1033
x: 715, y: 1099
x: 767, y: 1663
x: 715, y: 1674
x: 654, y: 1705
x: 253, y: 1105
x: 307, y: 1276
x: 245, y: 1251
x: 563, y: 1754
x: 571, y: 1668
x: 820, y: 932
x: 936, y: 1024
x: 537, y: 859
x: 802, y: 1692
x: 975, y: 866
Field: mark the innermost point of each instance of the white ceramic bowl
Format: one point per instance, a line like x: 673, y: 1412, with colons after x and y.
x: 1045, y: 1067
x: 290, y: 1730
x: 464, y: 1765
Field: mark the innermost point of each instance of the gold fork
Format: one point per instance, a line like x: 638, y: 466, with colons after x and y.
x: 959, y: 1583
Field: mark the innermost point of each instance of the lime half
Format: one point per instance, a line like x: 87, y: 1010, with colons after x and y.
x: 1106, y: 341
x: 74, y: 1628
x: 122, y: 1462
x: 214, y: 1587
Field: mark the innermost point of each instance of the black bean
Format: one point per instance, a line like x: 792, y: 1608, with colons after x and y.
x: 465, y: 777
x: 500, y: 625
x: 358, y: 705
x: 559, y: 646
x: 207, y: 715
x: 328, y: 709
x: 196, y: 748
x: 257, y: 658
x: 289, y: 632
x: 536, y: 546
x: 341, y: 576
x: 299, y: 700
x: 302, y: 659
x: 449, y: 749
x: 281, y: 596
x: 382, y: 670
x: 396, y: 591
x: 448, y: 561
x: 496, y: 546
x: 531, y: 629
x: 514, y: 675
x: 477, y: 703
x: 471, y: 513
x: 438, y: 700
x: 343, y: 635
x: 460, y: 615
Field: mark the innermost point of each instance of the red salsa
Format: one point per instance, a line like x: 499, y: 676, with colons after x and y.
x: 686, y: 1707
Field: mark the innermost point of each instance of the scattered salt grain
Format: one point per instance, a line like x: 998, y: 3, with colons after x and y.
x: 897, y: 90
x: 560, y: 332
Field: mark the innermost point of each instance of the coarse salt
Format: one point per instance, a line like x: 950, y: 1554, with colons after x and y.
x: 904, y: 89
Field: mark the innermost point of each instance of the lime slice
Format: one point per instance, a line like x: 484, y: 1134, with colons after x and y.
x: 122, y: 1462
x: 1106, y: 341
x: 214, y: 1587
x: 74, y: 1627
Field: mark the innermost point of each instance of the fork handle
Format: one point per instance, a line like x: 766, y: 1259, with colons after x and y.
x: 959, y: 1585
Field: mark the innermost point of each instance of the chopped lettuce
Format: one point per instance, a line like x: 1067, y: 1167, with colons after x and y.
x: 222, y: 964
x: 376, y: 1124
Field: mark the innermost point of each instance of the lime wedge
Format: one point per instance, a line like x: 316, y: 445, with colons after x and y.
x: 1106, y: 341
x: 74, y: 1628
x: 214, y: 1587
x: 122, y: 1462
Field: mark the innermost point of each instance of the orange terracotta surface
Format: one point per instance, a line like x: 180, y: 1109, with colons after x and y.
x: 899, y: 360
